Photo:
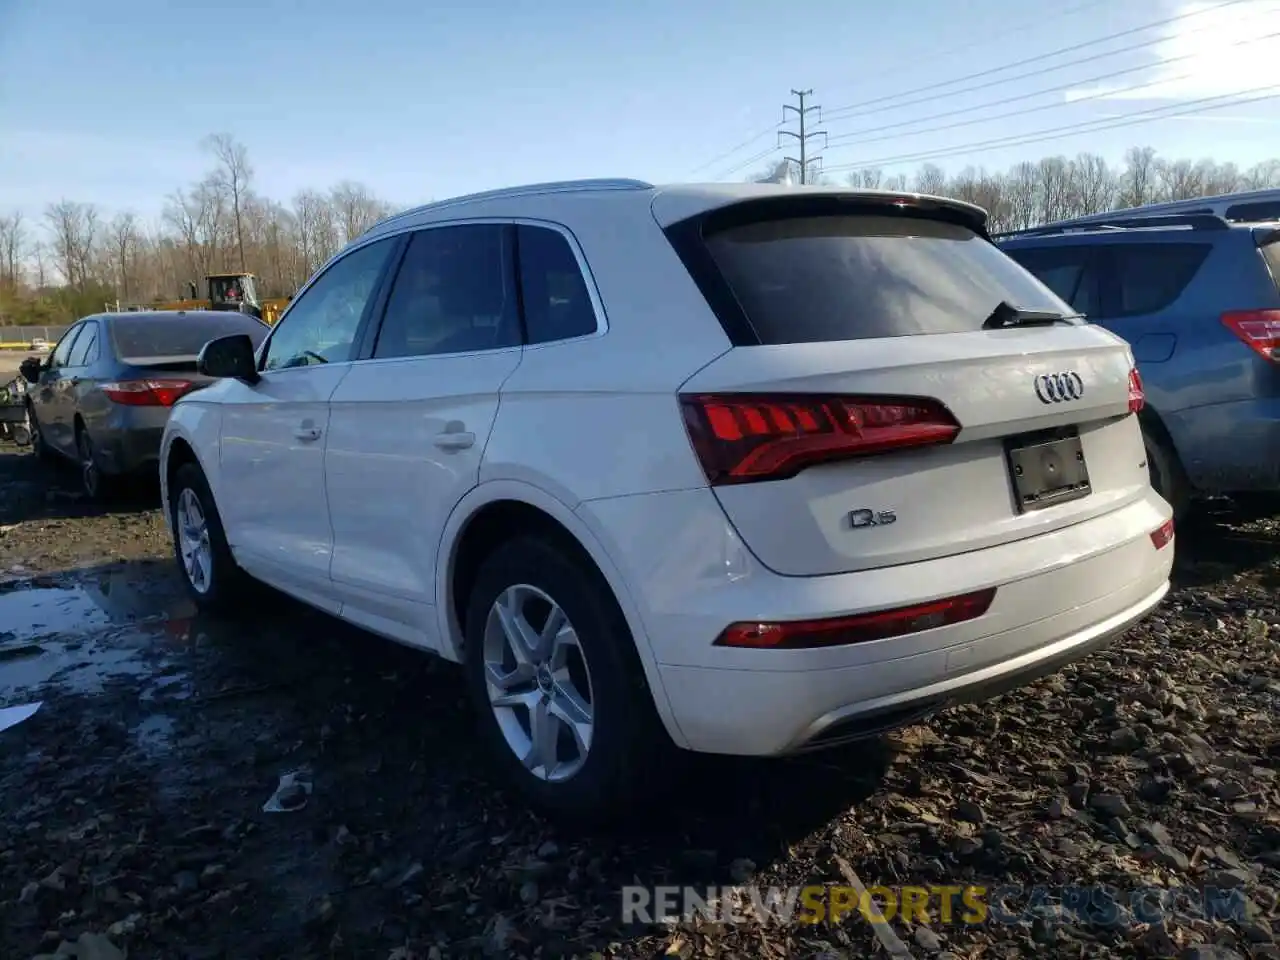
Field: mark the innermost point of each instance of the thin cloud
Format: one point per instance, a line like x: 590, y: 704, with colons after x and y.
x: 1210, y: 57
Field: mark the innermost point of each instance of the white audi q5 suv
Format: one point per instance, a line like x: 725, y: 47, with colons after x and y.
x: 739, y: 469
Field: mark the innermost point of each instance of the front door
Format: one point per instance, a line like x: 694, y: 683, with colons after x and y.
x: 50, y: 397
x: 274, y: 432
x: 409, y: 425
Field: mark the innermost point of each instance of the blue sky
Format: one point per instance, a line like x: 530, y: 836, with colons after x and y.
x: 108, y: 104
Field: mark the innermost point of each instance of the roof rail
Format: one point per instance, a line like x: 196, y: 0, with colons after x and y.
x: 555, y: 186
x: 1196, y: 221
x: 1222, y: 205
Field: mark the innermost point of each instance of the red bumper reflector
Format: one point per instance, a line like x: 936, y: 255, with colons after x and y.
x: 860, y: 628
x: 1162, y: 534
x: 1137, y: 394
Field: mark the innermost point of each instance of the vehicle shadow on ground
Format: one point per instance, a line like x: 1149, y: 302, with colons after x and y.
x: 389, y: 737
x: 1218, y: 542
x: 35, y: 489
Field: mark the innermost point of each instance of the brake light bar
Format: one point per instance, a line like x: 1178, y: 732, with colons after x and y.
x: 745, y: 438
x: 1137, y: 395
x: 146, y: 393
x: 862, y: 628
x: 1258, y: 329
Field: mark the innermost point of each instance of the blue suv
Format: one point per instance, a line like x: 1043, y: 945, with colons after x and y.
x: 1198, y: 298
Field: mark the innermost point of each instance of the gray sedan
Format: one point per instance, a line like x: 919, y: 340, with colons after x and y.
x: 102, y: 396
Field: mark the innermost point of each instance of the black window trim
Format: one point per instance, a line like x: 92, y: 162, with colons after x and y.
x: 370, y: 336
x: 398, y: 243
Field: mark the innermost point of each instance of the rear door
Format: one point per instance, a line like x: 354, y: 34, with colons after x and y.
x: 866, y: 417
x: 409, y: 424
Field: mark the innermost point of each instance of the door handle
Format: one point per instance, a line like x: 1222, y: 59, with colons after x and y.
x: 454, y: 441
x: 307, y: 434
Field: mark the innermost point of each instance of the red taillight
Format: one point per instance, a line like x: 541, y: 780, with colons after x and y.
x: 1259, y: 329
x: 146, y: 393
x: 740, y: 438
x: 1163, y: 534
x: 1137, y: 396
x: 881, y: 625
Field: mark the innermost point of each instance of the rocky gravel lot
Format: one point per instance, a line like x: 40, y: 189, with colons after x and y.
x: 131, y: 802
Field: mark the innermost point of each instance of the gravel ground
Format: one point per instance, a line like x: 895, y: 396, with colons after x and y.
x: 131, y: 803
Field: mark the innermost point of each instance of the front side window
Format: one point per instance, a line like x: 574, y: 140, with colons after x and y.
x: 452, y: 294
x: 321, y: 325
x: 62, y: 352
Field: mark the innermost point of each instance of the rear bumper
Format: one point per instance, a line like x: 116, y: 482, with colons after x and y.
x: 1229, y: 447
x: 128, y: 440
x: 1058, y: 597
x: 796, y: 712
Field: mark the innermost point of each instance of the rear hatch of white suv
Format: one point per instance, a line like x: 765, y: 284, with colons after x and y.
x: 898, y: 388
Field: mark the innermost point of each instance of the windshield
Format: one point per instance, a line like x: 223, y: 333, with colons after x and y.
x: 150, y: 336
x: 845, y: 277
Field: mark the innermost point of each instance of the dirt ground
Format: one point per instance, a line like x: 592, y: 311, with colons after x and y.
x: 131, y: 802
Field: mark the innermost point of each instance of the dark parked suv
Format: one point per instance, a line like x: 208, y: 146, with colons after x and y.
x: 1198, y: 298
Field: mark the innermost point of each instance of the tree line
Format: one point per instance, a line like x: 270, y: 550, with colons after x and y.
x: 74, y: 259
x: 1059, y: 187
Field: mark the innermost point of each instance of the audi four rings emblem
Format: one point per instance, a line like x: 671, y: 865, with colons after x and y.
x: 1059, y: 387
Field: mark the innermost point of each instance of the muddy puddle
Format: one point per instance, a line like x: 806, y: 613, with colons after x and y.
x: 81, y: 635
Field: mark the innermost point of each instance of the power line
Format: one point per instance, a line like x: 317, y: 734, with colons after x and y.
x: 857, y: 134
x: 1040, y: 21
x: 802, y: 138
x: 1056, y: 133
x: 753, y: 159
x: 1029, y: 110
x: 1036, y: 59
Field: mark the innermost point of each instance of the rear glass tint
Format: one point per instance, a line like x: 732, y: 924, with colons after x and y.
x: 150, y: 336
x: 815, y: 279
x: 1151, y: 276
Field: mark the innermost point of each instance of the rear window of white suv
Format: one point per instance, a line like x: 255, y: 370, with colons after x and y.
x: 850, y: 277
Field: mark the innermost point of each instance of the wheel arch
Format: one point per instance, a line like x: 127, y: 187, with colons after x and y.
x: 491, y: 513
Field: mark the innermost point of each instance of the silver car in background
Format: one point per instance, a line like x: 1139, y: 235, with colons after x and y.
x: 102, y: 396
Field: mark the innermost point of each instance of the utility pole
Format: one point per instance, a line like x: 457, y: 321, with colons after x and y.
x: 804, y: 136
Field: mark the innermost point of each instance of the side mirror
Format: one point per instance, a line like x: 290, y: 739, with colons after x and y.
x: 231, y: 356
x: 30, y: 369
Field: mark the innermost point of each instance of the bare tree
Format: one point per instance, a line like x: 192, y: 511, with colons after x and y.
x: 931, y: 178
x: 355, y: 208
x: 75, y: 231
x: 233, y: 174
x: 13, y: 246
x: 124, y: 248
x: 1138, y: 184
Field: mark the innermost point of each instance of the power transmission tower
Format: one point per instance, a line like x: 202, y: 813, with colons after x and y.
x: 804, y: 136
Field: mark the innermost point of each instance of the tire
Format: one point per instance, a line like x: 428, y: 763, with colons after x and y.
x: 628, y: 743
x: 1166, y: 475
x: 97, y: 486
x: 224, y: 583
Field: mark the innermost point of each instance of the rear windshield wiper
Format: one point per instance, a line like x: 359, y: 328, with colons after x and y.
x: 1007, y: 315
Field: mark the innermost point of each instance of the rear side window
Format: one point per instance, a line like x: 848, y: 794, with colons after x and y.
x: 86, y: 348
x: 853, y: 277
x: 1271, y: 254
x: 1069, y: 271
x: 1258, y: 210
x: 1150, y: 276
x: 557, y: 305
x: 145, y: 337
